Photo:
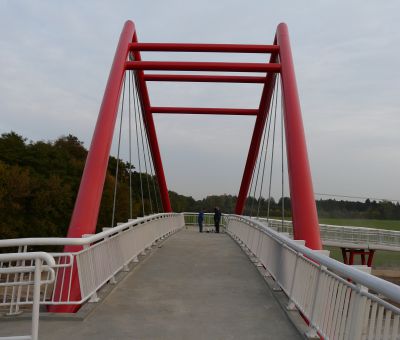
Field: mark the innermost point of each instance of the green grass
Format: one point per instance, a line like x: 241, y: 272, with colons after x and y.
x: 357, y: 222
x: 378, y: 224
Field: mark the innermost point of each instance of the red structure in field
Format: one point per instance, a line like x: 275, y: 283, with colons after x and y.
x: 128, y: 57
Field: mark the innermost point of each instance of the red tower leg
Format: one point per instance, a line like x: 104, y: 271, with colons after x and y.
x: 86, y: 210
x: 304, y: 211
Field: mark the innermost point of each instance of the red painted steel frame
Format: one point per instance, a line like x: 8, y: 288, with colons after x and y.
x: 362, y: 252
x: 151, y: 132
x: 304, y: 212
x: 205, y: 78
x: 182, y: 47
x: 204, y: 110
x: 201, y: 66
x: 85, y: 214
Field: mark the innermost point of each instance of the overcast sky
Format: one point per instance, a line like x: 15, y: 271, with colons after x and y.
x: 55, y: 57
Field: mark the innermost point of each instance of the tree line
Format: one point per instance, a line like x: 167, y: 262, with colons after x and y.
x: 39, y: 182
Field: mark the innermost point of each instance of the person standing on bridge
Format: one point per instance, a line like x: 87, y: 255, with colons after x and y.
x: 217, y: 218
x: 200, y: 219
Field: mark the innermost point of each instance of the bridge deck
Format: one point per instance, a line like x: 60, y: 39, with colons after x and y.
x: 196, y: 286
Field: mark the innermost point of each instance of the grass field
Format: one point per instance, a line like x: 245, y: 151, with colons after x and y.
x: 358, y: 222
x: 378, y: 224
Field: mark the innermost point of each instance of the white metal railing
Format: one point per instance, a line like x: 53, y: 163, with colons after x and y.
x: 21, y: 275
x: 96, y: 260
x: 340, y: 301
x: 347, y: 236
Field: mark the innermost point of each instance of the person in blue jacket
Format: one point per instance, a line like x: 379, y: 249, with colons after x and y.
x: 200, y: 219
x: 217, y: 219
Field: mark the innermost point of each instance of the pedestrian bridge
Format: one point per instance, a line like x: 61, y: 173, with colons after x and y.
x: 155, y: 277
x: 250, y: 282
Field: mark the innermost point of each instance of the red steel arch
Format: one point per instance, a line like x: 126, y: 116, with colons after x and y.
x: 128, y: 57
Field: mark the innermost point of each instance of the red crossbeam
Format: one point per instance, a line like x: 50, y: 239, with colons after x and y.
x: 182, y: 47
x: 202, y: 66
x: 204, y: 78
x: 204, y: 110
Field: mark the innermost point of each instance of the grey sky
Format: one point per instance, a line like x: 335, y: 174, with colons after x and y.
x: 55, y: 57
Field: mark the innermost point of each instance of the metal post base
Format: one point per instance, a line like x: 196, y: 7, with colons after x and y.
x: 312, y: 334
x: 94, y: 298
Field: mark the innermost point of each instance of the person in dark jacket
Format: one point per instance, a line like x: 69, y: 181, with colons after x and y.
x: 200, y: 219
x: 217, y: 219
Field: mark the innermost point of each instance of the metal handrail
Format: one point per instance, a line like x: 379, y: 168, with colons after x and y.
x: 102, y: 256
x: 386, y: 288
x: 39, y: 259
x: 62, y: 241
x: 333, y: 297
x: 122, y: 243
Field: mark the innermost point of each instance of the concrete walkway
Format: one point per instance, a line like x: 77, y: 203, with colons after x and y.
x: 196, y: 286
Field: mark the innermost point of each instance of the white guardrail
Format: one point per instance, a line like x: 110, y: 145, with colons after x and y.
x: 340, y: 301
x: 23, y: 271
x: 347, y: 236
x: 98, y: 259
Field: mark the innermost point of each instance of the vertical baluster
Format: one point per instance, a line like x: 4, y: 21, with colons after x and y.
x: 386, y: 327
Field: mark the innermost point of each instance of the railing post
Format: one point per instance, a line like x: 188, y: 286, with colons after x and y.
x: 36, y: 298
x: 14, y: 307
x: 93, y: 298
x: 356, y: 319
x: 311, y: 332
x: 291, y: 305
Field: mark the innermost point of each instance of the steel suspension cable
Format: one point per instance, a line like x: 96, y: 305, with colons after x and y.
x: 136, y: 105
x: 151, y: 165
x: 272, y: 154
x: 119, y: 147
x: 130, y: 149
x: 255, y: 170
x: 282, y: 163
x: 247, y: 208
x: 273, y: 103
x: 152, y: 173
x: 258, y: 167
x: 145, y: 160
x: 267, y: 126
x: 250, y: 190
